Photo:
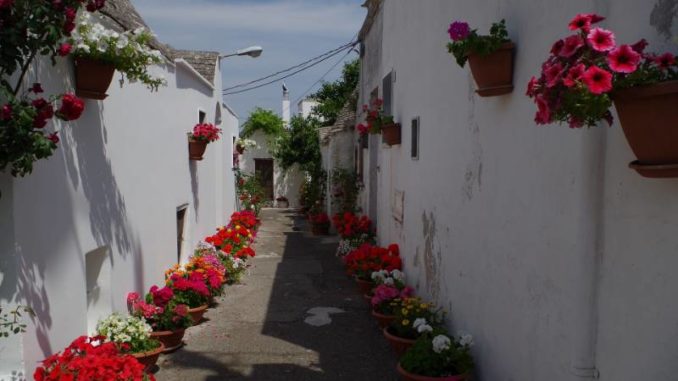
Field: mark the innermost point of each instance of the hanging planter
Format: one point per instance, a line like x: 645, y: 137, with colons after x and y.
x: 196, y: 149
x: 240, y: 149
x: 203, y: 134
x: 92, y: 78
x: 391, y: 133
x: 649, y: 116
x: 493, y: 73
x: 490, y: 56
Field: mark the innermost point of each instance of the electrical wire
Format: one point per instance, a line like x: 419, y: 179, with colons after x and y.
x: 323, y: 77
x: 291, y: 74
x: 330, y: 52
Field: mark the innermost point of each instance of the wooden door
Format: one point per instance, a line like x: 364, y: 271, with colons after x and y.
x: 263, y: 170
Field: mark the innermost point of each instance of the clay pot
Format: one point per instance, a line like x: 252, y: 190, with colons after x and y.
x: 148, y: 359
x: 196, y: 149
x: 197, y: 313
x: 364, y: 286
x: 240, y: 149
x: 399, y: 344
x: 493, y: 73
x: 391, y: 133
x: 92, y: 78
x: 383, y: 320
x: 407, y: 376
x: 649, y: 116
x: 171, y: 340
x: 320, y: 229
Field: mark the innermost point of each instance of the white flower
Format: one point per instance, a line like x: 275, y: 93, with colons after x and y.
x: 418, y: 321
x: 398, y: 275
x: 122, y: 42
x: 389, y: 281
x: 83, y: 47
x: 465, y: 340
x: 441, y: 343
x: 424, y: 328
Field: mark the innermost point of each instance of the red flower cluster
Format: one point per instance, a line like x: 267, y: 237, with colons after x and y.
x: 245, y: 218
x: 237, y: 236
x: 205, y: 132
x: 88, y: 359
x: 367, y: 259
x: 375, y: 118
x: 71, y: 107
x: 194, y: 283
x: 585, y: 67
x: 319, y: 219
x: 351, y: 226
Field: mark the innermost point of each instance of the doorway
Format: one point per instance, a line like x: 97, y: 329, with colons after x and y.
x: 263, y: 170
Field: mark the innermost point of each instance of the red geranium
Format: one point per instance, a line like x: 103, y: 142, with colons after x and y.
x: 205, y: 132
x: 91, y: 359
x: 351, y: 226
x: 367, y: 259
x: 71, y: 107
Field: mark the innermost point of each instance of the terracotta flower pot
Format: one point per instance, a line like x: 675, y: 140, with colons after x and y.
x: 148, y: 359
x: 320, y: 229
x: 171, y: 340
x: 649, y: 117
x: 240, y: 149
x: 407, y: 376
x: 493, y: 73
x: 399, y: 344
x: 364, y: 285
x: 391, y: 133
x: 92, y: 78
x: 197, y: 313
x: 383, y: 320
x: 196, y: 149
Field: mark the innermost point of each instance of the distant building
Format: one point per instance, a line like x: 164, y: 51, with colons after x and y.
x: 305, y: 107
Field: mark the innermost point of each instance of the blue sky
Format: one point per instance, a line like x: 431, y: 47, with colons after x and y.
x: 290, y: 31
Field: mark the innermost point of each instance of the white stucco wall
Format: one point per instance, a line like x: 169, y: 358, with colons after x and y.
x: 337, y: 153
x: 537, y: 240
x: 114, y: 184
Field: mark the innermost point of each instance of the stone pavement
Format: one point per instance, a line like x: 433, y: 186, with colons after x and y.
x: 295, y: 317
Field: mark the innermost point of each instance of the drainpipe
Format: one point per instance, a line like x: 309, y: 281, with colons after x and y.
x: 588, y: 253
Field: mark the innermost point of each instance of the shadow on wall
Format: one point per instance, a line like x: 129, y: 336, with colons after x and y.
x: 187, y: 80
x: 195, y: 190
x: 664, y: 15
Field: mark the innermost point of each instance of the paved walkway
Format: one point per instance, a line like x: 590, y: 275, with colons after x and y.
x: 263, y: 330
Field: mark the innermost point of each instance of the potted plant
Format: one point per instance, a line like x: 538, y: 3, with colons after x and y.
x: 380, y: 123
x: 190, y: 289
x: 168, y: 318
x: 588, y: 71
x: 490, y: 56
x: 436, y: 356
x: 132, y: 335
x: 320, y: 223
x: 414, y: 318
x: 365, y: 260
x: 354, y: 231
x: 91, y: 358
x: 99, y: 52
x: 386, y: 300
x: 203, y: 134
x: 242, y: 145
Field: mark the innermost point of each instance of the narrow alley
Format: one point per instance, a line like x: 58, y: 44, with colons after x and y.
x: 296, y: 316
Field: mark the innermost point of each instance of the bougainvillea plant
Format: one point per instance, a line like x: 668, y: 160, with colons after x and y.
x: 91, y: 358
x: 375, y: 119
x: 204, y: 132
x: 466, y: 41
x: 28, y: 29
x: 367, y: 259
x: 584, y: 69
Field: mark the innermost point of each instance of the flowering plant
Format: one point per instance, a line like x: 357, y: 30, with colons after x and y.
x: 90, y: 358
x: 350, y: 226
x: 394, y: 278
x: 583, y: 70
x: 346, y: 246
x: 466, y: 41
x: 387, y: 299
x: 436, y: 354
x: 189, y: 288
x: 204, y: 132
x: 414, y: 317
x: 376, y: 119
x: 246, y: 143
x: 160, y: 309
x: 319, y: 219
x: 129, y: 52
x: 367, y: 259
x: 204, y: 266
x: 131, y: 334
x: 234, y: 267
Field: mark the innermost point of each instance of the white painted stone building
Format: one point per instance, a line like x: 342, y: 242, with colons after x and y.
x: 117, y: 204
x: 540, y: 241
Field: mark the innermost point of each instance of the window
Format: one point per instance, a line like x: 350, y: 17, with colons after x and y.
x: 387, y: 93
x: 182, y: 211
x: 97, y: 286
x: 201, y: 116
x: 414, y: 153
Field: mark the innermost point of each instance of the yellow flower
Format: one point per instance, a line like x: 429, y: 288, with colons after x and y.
x: 406, y: 322
x: 423, y: 306
x: 404, y: 312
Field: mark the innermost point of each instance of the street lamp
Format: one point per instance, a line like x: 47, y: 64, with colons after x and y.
x: 252, y: 51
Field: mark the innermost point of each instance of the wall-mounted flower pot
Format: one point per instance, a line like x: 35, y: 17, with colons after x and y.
x: 92, y: 78
x: 649, y: 117
x: 240, y: 149
x: 407, y: 376
x: 196, y: 149
x: 493, y: 73
x: 391, y: 133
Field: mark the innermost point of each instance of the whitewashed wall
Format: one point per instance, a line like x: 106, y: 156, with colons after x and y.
x: 537, y: 240
x: 113, y: 185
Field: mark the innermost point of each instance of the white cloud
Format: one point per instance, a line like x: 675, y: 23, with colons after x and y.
x: 301, y: 16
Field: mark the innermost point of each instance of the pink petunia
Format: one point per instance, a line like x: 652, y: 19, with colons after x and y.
x: 532, y: 87
x: 573, y: 75
x: 571, y: 46
x: 597, y: 80
x: 544, y: 114
x: 552, y: 73
x: 583, y: 21
x: 623, y: 59
x: 601, y: 39
x: 665, y: 61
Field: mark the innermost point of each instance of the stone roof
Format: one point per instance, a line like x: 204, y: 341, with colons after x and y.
x: 204, y: 63
x: 372, y: 11
x: 345, y: 121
